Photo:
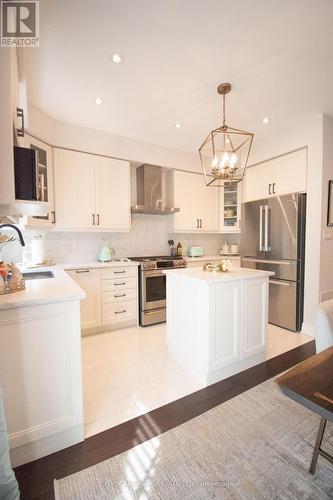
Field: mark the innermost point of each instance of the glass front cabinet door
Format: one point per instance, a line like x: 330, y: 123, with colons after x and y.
x: 44, y: 156
x: 230, y: 204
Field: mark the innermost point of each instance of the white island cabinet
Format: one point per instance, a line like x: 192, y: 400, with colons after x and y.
x: 217, y: 322
x: 40, y: 366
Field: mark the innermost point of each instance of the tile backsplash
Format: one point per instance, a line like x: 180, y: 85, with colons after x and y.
x: 149, y: 236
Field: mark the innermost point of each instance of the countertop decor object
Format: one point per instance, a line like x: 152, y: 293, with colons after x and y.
x: 105, y: 253
x: 219, y: 267
x: 225, y: 151
x: 196, y: 252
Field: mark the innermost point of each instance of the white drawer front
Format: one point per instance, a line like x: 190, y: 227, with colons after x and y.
x: 119, y: 295
x: 114, y: 272
x: 119, y: 283
x: 114, y: 312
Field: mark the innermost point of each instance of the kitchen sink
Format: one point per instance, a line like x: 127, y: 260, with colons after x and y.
x: 37, y: 275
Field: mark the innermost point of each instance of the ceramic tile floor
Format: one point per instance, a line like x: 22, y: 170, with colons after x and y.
x: 128, y: 372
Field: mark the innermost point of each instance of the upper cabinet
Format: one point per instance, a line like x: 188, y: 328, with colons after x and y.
x: 283, y: 175
x: 230, y: 203
x: 198, y: 204
x: 113, y: 196
x: 91, y: 192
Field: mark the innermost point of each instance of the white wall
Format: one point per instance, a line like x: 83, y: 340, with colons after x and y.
x: 305, y: 132
x: 93, y: 141
x: 326, y: 249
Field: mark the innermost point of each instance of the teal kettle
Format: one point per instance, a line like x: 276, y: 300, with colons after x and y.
x: 105, y: 253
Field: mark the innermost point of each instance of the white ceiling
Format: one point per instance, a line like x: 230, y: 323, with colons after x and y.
x: 277, y: 54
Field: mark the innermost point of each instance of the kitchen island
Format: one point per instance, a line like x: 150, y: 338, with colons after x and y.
x: 217, y: 322
x: 40, y: 365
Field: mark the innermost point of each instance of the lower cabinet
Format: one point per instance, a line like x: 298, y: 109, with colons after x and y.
x: 90, y: 281
x: 40, y: 373
x: 112, y: 297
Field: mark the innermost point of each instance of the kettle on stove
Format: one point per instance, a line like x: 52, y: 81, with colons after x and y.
x: 105, y: 253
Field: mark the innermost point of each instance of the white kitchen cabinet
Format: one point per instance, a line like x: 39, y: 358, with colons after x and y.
x: 289, y: 173
x: 74, y: 181
x: 216, y: 327
x: 111, y: 297
x: 90, y: 281
x: 282, y: 175
x: 113, y: 196
x: 230, y: 208
x: 45, y: 182
x: 198, y: 204
x: 91, y: 192
x: 120, y: 296
x: 40, y: 372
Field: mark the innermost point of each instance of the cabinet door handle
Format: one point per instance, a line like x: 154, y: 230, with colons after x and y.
x: 118, y: 284
x: 120, y: 312
x: 53, y: 217
x: 93, y: 219
x: 20, y: 114
x: 200, y: 223
x: 274, y: 184
x: 269, y: 189
x: 97, y: 219
x: 119, y: 272
x: 120, y: 295
x: 80, y: 271
x: 197, y: 223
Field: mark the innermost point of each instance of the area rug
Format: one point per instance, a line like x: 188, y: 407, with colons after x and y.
x: 255, y: 446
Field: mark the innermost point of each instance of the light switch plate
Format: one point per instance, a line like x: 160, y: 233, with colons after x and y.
x: 327, y: 234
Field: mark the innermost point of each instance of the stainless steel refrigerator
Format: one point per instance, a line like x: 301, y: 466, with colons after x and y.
x: 273, y: 239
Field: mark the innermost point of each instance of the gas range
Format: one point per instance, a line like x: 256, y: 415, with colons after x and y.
x: 152, y: 286
x: 159, y: 262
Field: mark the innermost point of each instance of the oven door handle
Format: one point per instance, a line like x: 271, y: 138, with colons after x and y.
x: 153, y: 273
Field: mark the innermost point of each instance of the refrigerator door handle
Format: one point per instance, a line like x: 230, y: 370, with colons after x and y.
x: 261, y: 248
x: 280, y: 283
x: 267, y: 246
x: 266, y: 261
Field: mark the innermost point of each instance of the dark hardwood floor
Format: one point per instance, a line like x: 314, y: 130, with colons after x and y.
x: 36, y: 478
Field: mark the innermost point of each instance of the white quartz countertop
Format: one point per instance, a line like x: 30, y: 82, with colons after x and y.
x: 61, y: 288
x: 234, y: 274
x: 94, y: 264
x: 207, y: 258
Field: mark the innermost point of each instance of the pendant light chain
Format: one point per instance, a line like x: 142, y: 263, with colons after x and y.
x: 224, y: 120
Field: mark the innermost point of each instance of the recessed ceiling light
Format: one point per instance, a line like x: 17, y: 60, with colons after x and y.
x: 265, y: 120
x: 117, y: 58
x: 98, y: 100
x: 178, y: 125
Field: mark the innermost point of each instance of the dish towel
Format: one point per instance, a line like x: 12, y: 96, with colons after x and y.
x: 8, y: 485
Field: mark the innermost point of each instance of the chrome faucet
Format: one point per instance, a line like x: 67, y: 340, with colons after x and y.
x: 17, y: 230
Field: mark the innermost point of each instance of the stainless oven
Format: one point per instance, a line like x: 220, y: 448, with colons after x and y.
x: 153, y: 290
x: 152, y: 286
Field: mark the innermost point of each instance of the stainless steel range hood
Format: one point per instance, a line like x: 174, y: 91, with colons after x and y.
x: 151, y: 198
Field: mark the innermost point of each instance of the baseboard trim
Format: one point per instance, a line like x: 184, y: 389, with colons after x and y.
x: 308, y: 329
x: 46, y: 446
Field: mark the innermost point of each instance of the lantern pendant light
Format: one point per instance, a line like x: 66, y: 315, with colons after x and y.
x: 225, y: 151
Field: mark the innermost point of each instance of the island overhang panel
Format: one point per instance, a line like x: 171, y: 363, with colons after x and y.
x: 217, y: 322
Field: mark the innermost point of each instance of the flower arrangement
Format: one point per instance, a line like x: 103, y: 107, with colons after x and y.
x: 219, y: 267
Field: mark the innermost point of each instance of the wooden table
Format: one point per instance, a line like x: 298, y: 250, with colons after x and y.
x: 311, y: 384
